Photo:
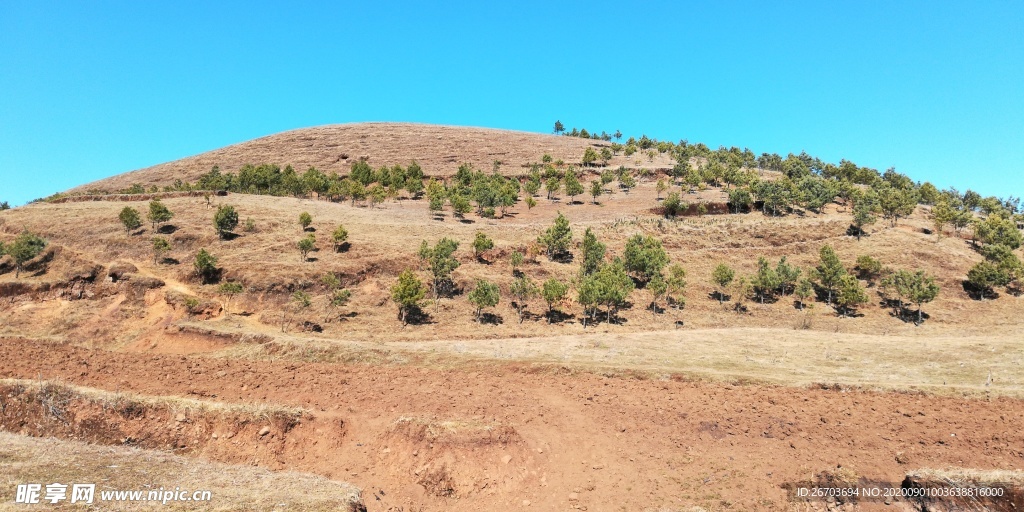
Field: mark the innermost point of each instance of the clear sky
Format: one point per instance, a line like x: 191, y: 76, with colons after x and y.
x: 934, y: 88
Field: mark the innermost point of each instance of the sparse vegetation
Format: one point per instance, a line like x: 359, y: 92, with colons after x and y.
x: 159, y: 214
x: 516, y: 260
x: 849, y: 293
x: 225, y: 220
x: 481, y: 243
x: 673, y: 205
x: 338, y: 298
x: 864, y: 212
x: 130, y: 219
x: 917, y: 287
x: 557, y: 238
x: 573, y: 187
x: 830, y: 271
x: 306, y: 245
x: 644, y: 257
x: 339, y: 237
x: 803, y: 291
x: 485, y: 295
x: 609, y: 287
x: 229, y: 290
x: 592, y: 253
x: 522, y: 289
x: 160, y: 248
x: 407, y: 293
x: 205, y: 265
x: 598, y: 269
x: 442, y: 262
x: 26, y: 246
x: 722, y: 276
x: 676, y: 286
x: 553, y: 292
x: 868, y: 268
x: 766, y: 282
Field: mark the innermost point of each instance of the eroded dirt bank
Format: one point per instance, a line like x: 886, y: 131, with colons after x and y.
x: 500, y: 437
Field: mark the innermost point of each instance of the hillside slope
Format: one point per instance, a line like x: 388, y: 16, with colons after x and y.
x: 524, y: 403
x: 332, y: 148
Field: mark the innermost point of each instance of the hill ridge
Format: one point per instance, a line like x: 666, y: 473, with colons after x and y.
x: 438, y: 149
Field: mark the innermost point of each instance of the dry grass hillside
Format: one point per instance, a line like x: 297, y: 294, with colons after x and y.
x: 452, y: 413
x: 439, y: 150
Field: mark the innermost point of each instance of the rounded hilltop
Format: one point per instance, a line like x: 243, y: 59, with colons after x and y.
x: 332, y: 148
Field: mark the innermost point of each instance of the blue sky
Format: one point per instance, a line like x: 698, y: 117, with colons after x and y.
x: 936, y: 89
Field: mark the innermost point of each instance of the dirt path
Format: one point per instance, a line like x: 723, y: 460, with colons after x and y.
x: 579, y: 439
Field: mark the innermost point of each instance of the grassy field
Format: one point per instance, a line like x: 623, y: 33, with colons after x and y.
x: 941, y: 364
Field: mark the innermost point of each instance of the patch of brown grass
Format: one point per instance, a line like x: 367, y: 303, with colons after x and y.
x: 46, y: 460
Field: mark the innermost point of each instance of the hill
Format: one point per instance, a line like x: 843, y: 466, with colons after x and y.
x: 333, y: 148
x: 525, y: 403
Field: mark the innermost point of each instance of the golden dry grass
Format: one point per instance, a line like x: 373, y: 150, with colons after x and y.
x: 439, y: 150
x: 968, y: 476
x: 175, y: 404
x: 977, y: 365
x: 384, y: 241
x: 37, y: 460
x: 774, y: 342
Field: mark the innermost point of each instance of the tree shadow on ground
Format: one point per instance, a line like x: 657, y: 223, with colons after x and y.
x: 491, y: 319
x: 566, y: 257
x: 907, y: 315
x: 416, y: 316
x: 556, y: 316
x: 769, y: 298
x: 601, y: 317
x: 978, y: 293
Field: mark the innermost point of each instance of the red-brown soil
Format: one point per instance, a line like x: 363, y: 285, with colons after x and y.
x: 494, y: 437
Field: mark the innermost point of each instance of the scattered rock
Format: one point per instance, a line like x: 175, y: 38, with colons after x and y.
x: 505, y: 459
x: 264, y: 431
